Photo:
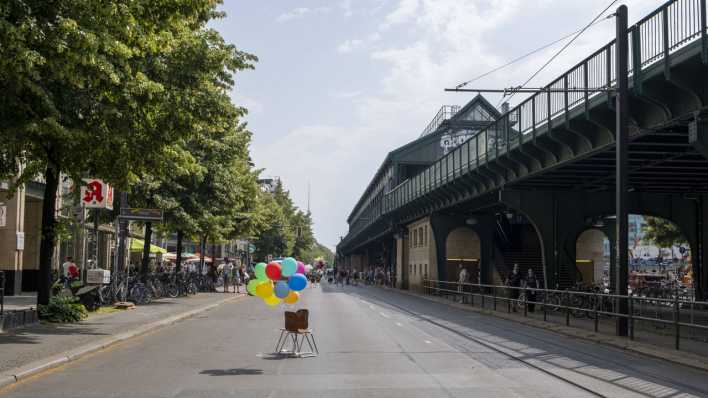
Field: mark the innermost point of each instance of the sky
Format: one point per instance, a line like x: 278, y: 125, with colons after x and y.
x: 341, y: 83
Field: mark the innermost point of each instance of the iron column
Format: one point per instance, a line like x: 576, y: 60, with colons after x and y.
x: 622, y: 112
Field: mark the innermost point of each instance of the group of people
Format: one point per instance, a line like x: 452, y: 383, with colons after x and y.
x: 516, y: 281
x: 373, y: 276
x: 233, y: 276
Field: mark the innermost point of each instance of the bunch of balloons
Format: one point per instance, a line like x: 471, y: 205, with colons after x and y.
x: 278, y: 282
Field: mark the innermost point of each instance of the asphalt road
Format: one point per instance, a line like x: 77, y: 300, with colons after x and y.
x: 373, y: 343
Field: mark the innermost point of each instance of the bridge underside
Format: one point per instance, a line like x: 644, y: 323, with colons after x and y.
x: 560, y: 182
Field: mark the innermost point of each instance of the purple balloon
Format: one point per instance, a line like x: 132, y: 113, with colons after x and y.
x: 300, y: 268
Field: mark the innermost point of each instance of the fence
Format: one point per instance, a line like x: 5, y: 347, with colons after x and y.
x: 676, y: 313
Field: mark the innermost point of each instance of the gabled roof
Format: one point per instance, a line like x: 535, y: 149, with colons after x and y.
x: 478, y: 102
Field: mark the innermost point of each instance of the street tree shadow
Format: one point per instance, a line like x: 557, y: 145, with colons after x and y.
x: 232, y: 372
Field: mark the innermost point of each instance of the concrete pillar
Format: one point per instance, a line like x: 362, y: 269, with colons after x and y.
x: 11, y: 256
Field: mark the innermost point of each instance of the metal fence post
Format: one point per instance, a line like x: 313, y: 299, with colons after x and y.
x: 630, y: 314
x: 597, y: 304
x: 544, y: 306
x: 567, y: 312
x: 677, y: 324
x: 526, y: 299
x: 494, y: 297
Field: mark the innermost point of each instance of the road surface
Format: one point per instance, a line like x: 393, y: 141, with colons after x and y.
x: 373, y: 343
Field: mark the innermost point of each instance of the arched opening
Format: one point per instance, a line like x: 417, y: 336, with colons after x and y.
x: 592, y: 257
x: 463, y: 249
x: 659, y: 258
x: 517, y: 242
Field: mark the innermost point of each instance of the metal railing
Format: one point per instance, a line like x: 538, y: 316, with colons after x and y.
x: 679, y: 314
x: 668, y: 29
x: 445, y: 112
x: 2, y: 292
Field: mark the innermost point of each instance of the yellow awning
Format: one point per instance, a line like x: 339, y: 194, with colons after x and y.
x: 136, y: 245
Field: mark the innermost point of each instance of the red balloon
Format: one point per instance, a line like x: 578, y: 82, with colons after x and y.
x: 273, y: 271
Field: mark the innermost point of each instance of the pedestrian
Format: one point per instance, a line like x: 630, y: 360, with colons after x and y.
x: 514, y: 281
x: 238, y: 278
x: 531, y: 283
x: 226, y: 272
x: 462, y: 277
x: 66, y: 270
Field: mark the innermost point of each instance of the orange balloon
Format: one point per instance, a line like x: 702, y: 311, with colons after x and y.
x: 292, y: 297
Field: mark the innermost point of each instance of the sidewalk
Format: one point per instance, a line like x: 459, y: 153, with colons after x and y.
x: 25, y: 349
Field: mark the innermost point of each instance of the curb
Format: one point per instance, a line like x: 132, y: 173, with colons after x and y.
x: 18, y: 374
x: 683, y: 358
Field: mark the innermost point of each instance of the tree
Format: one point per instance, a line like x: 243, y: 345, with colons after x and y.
x: 662, y: 232
x: 105, y: 89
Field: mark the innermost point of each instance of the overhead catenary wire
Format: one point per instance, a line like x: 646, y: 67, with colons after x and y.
x: 521, y: 57
x: 565, y: 46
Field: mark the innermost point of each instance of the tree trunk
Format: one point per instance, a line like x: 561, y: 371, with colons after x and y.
x: 47, y: 240
x: 178, y: 260
x: 145, y: 266
x: 202, y: 249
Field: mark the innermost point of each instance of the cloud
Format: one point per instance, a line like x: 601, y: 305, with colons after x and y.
x: 350, y: 45
x: 301, y: 12
x: 346, y: 94
x: 421, y: 47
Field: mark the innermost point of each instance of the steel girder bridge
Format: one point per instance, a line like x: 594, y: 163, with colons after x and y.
x: 552, y: 157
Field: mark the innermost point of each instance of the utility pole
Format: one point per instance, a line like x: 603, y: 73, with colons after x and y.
x: 621, y: 180
x: 122, y: 237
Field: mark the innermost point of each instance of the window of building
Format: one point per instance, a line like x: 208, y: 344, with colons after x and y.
x: 420, y: 235
x: 415, y: 238
x: 426, y: 270
x: 425, y: 241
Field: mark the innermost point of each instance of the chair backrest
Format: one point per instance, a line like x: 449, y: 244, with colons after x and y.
x: 292, y: 321
x: 303, y: 316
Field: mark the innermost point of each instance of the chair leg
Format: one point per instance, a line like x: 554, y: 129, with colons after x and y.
x: 309, y: 343
x: 279, y: 340
x: 313, y: 342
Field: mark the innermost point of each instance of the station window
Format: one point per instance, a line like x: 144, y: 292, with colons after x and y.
x: 425, y: 240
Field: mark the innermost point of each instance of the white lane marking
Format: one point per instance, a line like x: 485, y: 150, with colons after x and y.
x: 384, y: 315
x: 399, y: 324
x: 428, y: 342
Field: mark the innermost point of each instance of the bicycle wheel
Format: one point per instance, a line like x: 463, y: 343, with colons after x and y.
x: 192, y: 288
x: 172, y: 290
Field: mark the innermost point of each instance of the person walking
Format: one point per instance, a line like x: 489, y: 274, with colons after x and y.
x: 514, y: 281
x: 226, y: 272
x: 462, y: 277
x: 531, y: 283
x: 238, y: 276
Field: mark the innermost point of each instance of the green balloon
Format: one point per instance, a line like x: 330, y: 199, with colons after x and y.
x: 260, y: 271
x: 251, y: 287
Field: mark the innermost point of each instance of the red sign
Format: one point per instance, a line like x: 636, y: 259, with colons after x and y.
x: 97, y: 194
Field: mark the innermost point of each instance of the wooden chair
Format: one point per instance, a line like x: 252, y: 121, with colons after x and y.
x: 296, y: 325
x: 288, y: 332
x: 305, y: 331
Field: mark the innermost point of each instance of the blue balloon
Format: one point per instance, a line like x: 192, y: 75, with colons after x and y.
x: 297, y: 282
x: 281, y: 290
x: 288, y: 266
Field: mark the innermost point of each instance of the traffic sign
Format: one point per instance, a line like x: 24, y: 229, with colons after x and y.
x: 141, y: 214
x: 251, y: 248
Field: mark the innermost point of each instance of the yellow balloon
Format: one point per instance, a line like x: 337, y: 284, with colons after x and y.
x: 292, y: 297
x: 272, y: 300
x: 264, y: 290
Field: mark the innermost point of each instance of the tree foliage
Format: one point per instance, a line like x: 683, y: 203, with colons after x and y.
x: 663, y: 233
x: 130, y: 92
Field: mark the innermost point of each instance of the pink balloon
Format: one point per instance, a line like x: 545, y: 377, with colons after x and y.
x: 300, y: 268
